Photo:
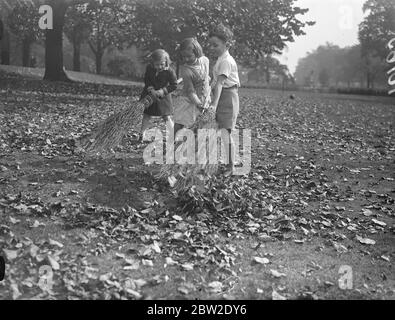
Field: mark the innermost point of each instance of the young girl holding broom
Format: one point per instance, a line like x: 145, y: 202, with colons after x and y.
x: 225, y: 86
x: 195, y: 95
x: 160, y: 80
x: 194, y: 98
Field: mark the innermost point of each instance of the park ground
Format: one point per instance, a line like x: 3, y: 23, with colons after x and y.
x: 319, y: 199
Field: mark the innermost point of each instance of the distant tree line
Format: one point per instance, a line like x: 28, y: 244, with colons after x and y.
x: 362, y: 65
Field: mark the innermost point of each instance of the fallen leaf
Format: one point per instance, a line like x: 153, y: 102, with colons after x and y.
x: 261, y: 260
x: 367, y: 212
x: 172, y: 181
x: 120, y: 255
x: 380, y: 223
x: 386, y: 258
x: 215, y: 286
x: 134, y: 293
x: 15, y: 291
x: 147, y: 263
x: 14, y: 221
x: 33, y: 250
x: 170, y: 261
x: 55, y: 243
x: 277, y: 274
x: 54, y: 264
x: 36, y: 224
x: 187, y: 266
x: 365, y: 240
x: 10, y: 254
x: 155, y: 247
x: 277, y: 296
x: 183, y: 290
x: 178, y: 218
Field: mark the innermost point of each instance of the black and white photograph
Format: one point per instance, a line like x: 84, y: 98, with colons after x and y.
x: 213, y: 153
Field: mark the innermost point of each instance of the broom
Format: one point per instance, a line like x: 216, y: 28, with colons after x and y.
x: 111, y: 132
x: 182, y: 177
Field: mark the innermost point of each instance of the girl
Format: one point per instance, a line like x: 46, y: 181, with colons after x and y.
x: 225, y: 86
x: 196, y: 90
x: 160, y: 80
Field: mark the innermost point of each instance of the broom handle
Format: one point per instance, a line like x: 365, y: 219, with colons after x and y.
x: 148, y: 100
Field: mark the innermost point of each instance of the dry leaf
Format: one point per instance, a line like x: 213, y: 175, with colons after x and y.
x: 55, y: 243
x: 215, y: 286
x: 277, y: 296
x: 54, y: 264
x: 277, y: 274
x: 380, y: 223
x: 147, y: 263
x: 10, y: 254
x: 170, y: 261
x: 261, y: 260
x: 365, y: 240
x: 187, y: 266
x: 134, y: 293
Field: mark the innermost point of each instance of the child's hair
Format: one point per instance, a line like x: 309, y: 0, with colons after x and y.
x: 223, y: 33
x: 193, y: 44
x: 160, y: 54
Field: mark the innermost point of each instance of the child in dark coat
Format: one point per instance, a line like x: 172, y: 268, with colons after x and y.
x: 160, y: 80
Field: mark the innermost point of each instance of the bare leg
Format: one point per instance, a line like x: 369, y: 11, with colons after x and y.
x: 145, y: 124
x: 169, y: 122
x: 229, y: 149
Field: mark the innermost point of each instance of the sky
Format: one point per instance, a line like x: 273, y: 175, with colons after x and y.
x: 336, y: 22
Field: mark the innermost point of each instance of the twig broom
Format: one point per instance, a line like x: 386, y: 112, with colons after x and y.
x: 184, y: 176
x: 111, y: 132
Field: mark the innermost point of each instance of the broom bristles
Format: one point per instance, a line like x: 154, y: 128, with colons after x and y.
x: 183, y: 176
x: 110, y: 133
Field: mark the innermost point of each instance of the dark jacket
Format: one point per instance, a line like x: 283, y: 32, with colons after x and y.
x: 166, y: 80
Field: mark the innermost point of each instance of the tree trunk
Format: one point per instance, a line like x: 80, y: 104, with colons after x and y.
x: 5, y: 47
x: 267, y: 72
x: 99, y: 56
x: 77, y: 55
x: 368, y: 80
x: 26, y: 46
x: 54, y: 70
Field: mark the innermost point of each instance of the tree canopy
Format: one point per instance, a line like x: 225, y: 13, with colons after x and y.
x: 378, y: 27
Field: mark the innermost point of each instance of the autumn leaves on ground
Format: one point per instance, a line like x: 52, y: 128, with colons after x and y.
x: 319, y: 199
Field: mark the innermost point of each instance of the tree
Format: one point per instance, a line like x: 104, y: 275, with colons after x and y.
x: 324, y: 57
x: 54, y: 69
x: 260, y: 26
x: 375, y: 31
x: 339, y: 67
x: 23, y: 22
x: 5, y: 8
x: 1, y: 29
x: 267, y: 66
x: 77, y: 28
x: 323, y: 77
x: 107, y: 19
x: 377, y: 28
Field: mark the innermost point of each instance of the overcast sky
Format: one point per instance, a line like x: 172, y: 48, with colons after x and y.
x: 336, y: 22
